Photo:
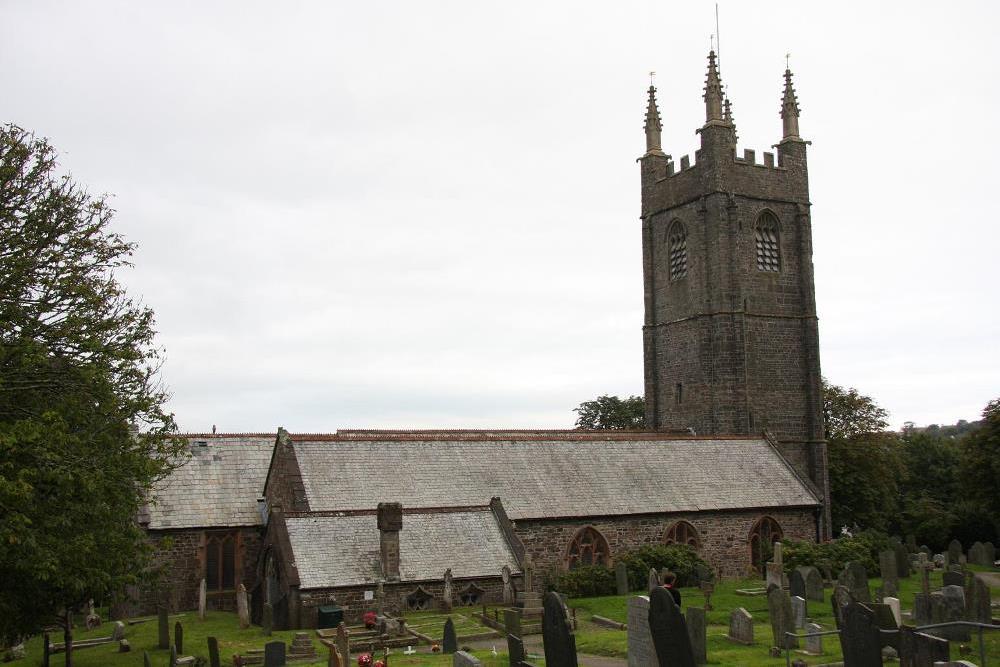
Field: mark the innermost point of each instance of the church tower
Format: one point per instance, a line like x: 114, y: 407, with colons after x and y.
x: 730, y: 338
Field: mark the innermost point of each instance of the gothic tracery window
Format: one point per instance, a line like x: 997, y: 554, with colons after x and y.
x: 587, y: 548
x: 220, y: 561
x: 682, y: 533
x: 419, y: 600
x: 677, y: 247
x: 764, y: 533
x: 768, y: 248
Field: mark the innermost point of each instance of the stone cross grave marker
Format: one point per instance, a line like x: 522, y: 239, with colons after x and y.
x: 163, y: 627
x: 243, y: 606
x: 274, y: 654
x: 344, y: 642
x: 669, y: 631
x: 740, y: 627
x: 213, y: 652
x: 179, y: 637
x: 814, y: 645
x: 202, y: 599
x: 924, y: 568
x: 799, y: 612
x: 557, y: 634
x: 508, y: 587
x: 859, y: 637
x: 449, y: 644
x: 779, y: 607
x: 697, y: 628
x: 621, y: 578
x: 641, y: 652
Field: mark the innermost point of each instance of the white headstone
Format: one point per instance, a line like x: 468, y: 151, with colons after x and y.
x: 799, y: 612
x: 814, y: 645
x: 202, y: 599
x: 894, y: 606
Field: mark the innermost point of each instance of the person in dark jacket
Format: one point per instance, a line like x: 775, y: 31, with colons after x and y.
x: 669, y: 582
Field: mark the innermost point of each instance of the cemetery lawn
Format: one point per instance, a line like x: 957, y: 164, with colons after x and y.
x: 598, y: 640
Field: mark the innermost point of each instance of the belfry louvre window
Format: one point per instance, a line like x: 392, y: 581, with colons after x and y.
x: 677, y: 245
x: 768, y: 249
x: 220, y: 562
x: 587, y: 548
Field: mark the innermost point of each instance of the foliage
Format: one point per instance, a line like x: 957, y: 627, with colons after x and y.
x: 832, y: 555
x: 981, y: 464
x: 611, y: 412
x: 587, y: 581
x: 83, y: 433
x: 680, y: 559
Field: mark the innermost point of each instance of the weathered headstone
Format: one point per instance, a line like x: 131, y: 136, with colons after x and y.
x: 669, y: 631
x: 917, y: 649
x: 117, y: 631
x: 447, y: 595
x: 859, y: 637
x: 512, y: 621
x: 267, y: 620
x: 163, y: 627
x: 990, y: 552
x: 508, y: 586
x: 921, y: 609
x: 449, y: 642
x: 977, y: 601
x: 334, y: 659
x: 893, y: 604
x: 740, y: 627
x: 773, y: 574
x: 515, y: 650
x: 621, y: 578
x: 274, y: 654
x: 707, y: 588
x: 839, y: 600
x: 654, y: 579
x: 557, y: 633
x: 173, y: 657
x: 855, y: 578
x: 948, y: 605
x: 797, y: 583
x: 902, y: 560
x: 243, y: 606
x: 697, y: 629
x: 344, y: 642
x: 641, y: 652
x: 528, y: 573
x: 814, y: 583
x: 704, y: 573
x: 202, y: 599
x: 779, y: 607
x: 799, y: 612
x: 885, y: 621
x: 952, y: 579
x: 463, y: 659
x: 213, y: 652
x: 954, y: 552
x: 179, y: 637
x: 814, y: 644
x: 888, y: 568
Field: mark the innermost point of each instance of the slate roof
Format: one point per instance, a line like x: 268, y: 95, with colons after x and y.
x: 543, y: 474
x: 344, y: 550
x: 218, y: 486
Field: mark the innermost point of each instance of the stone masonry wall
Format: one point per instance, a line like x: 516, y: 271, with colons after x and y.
x: 723, y: 535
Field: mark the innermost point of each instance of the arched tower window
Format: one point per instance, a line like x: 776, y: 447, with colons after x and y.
x: 588, y: 547
x: 764, y: 533
x: 682, y: 533
x: 768, y: 248
x: 677, y: 247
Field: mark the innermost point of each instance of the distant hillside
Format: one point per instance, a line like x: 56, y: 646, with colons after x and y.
x: 956, y: 430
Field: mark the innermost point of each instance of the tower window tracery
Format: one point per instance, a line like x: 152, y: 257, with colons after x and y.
x: 677, y: 247
x: 768, y: 248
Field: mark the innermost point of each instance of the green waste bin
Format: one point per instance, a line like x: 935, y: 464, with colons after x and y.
x: 330, y: 616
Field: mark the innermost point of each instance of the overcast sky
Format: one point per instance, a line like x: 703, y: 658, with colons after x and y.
x: 425, y: 214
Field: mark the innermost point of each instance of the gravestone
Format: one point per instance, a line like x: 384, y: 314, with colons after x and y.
x: 202, y: 599
x: 859, y: 637
x: 508, y: 587
x: 885, y: 621
x: 740, y: 627
x: 380, y: 596
x: 515, y: 651
x: 274, y: 654
x: 990, y: 553
x: 449, y: 644
x: 839, y: 600
x: 334, y: 660
x: 344, y: 642
x: 797, y: 583
x: 267, y: 620
x: 654, y: 579
x: 117, y: 631
x: 173, y: 657
x: 948, y: 605
x: 512, y: 621
x: 773, y: 575
x: 799, y: 611
x: 621, y: 578
x: 902, y: 561
x: 641, y: 652
x: 814, y: 645
x: 163, y: 627
x: 814, y: 583
x: 707, y: 588
x: 447, y: 594
x: 557, y: 634
x: 47, y: 648
x: 887, y: 566
x: 952, y: 579
x: 977, y: 601
x: 704, y: 573
x: 243, y: 606
x: 922, y: 609
x: 924, y: 549
x: 145, y: 660
x: 779, y: 607
x: 917, y: 649
x: 954, y: 552
x: 977, y: 554
x: 698, y: 634
x: 213, y: 652
x: 855, y: 579
x: 179, y: 637
x: 893, y: 604
x: 669, y: 631
x: 463, y: 659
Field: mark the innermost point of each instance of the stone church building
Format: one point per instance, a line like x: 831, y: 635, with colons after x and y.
x: 733, y: 457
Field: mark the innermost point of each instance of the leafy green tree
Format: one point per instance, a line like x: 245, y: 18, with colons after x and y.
x: 865, y: 461
x: 981, y: 461
x: 83, y: 430
x: 611, y: 412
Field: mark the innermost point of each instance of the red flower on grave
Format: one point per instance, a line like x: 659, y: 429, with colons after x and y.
x: 370, y: 618
x: 365, y: 660
x: 379, y: 663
